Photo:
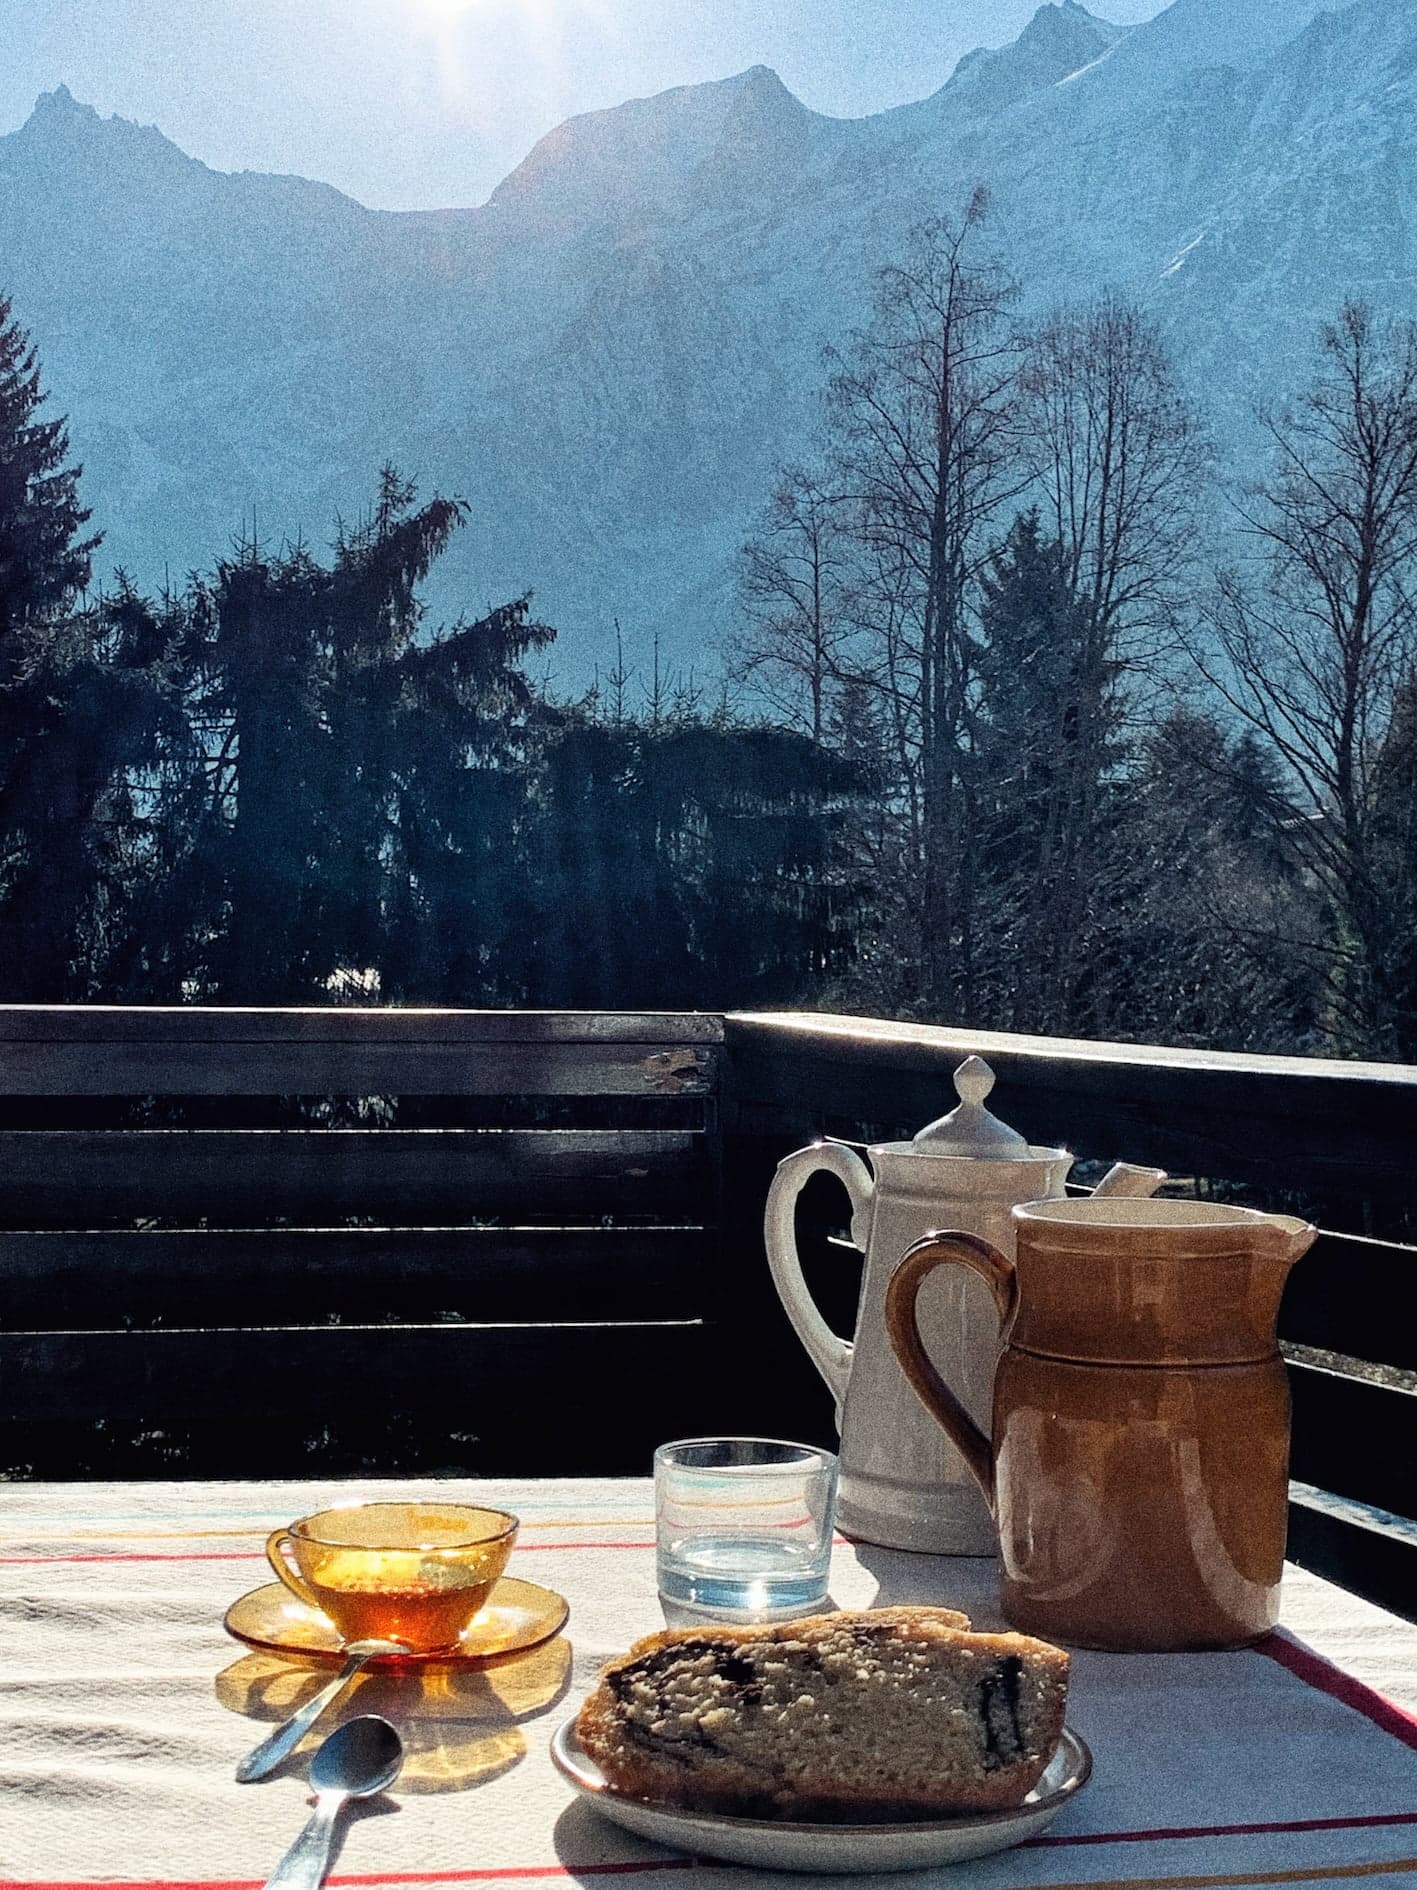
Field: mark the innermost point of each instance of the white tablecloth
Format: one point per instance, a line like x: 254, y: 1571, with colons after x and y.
x: 124, y: 1708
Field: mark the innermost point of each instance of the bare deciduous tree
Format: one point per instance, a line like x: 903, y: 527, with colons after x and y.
x: 1315, y: 653
x: 792, y: 581
x: 1117, y: 456
x: 924, y: 428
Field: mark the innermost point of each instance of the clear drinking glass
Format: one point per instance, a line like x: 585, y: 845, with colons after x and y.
x: 743, y: 1525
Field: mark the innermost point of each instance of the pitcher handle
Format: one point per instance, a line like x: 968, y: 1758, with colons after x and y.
x: 828, y: 1351
x: 903, y: 1330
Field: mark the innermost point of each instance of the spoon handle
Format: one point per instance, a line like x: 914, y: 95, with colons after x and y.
x: 264, y: 1758
x: 304, y: 1865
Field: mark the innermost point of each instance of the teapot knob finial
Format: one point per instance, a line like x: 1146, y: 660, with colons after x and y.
x: 973, y: 1080
x: 969, y: 1129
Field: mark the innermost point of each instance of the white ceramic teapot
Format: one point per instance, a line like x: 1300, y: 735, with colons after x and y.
x: 902, y: 1484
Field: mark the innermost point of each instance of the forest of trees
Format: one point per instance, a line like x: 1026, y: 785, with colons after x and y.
x: 1146, y: 746
x: 1027, y: 722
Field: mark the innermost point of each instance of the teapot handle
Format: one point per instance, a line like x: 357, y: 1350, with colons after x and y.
x: 828, y: 1351
x: 903, y: 1329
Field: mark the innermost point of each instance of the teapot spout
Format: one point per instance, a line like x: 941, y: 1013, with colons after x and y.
x: 1126, y: 1179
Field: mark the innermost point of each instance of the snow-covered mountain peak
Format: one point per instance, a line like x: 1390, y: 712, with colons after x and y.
x: 1242, y: 34
x: 1109, y: 29
x: 65, y: 133
x: 643, y: 158
x: 58, y: 106
x: 1058, y: 41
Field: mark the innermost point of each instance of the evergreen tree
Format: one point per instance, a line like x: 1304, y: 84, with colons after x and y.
x: 83, y: 725
x: 690, y: 862
x: 260, y: 660
x: 44, y: 562
x: 1395, y: 862
x: 1214, y: 937
x: 1046, y: 744
x: 357, y: 833
x: 82, y: 695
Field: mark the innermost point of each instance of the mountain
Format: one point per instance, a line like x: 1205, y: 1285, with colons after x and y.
x: 1058, y: 42
x: 610, y: 357
x: 661, y: 157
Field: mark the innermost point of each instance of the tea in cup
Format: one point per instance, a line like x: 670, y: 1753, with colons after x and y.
x: 412, y: 1572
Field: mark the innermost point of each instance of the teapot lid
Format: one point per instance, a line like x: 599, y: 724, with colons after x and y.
x: 969, y: 1129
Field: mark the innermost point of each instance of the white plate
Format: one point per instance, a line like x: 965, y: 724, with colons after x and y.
x: 832, y: 1847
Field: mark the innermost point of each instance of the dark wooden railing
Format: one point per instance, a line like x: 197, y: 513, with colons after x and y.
x: 342, y: 1239
x: 240, y: 1241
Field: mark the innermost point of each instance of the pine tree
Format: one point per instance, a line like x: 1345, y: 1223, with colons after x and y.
x: 82, y: 697
x: 44, y: 563
x: 688, y: 862
x: 1395, y: 856
x: 1212, y: 934
x: 363, y: 779
x: 1045, y: 745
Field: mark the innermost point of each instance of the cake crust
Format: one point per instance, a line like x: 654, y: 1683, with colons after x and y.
x: 856, y: 1716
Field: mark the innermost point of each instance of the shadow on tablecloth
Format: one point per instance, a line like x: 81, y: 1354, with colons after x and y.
x: 459, y: 1728
x: 967, y: 1582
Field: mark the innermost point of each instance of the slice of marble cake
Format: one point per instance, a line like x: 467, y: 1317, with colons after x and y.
x: 893, y: 1713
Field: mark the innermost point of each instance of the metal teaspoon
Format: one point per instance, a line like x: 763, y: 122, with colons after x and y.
x: 358, y: 1759
x: 263, y: 1759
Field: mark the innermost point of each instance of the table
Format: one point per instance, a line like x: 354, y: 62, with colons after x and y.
x: 124, y: 1708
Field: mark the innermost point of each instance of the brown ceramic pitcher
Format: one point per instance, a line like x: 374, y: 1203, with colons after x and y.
x: 1138, y: 1473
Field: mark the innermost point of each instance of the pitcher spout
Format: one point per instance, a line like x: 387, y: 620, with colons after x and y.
x: 1287, y: 1238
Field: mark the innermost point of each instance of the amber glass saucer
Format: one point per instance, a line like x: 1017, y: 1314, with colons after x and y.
x: 518, y: 1615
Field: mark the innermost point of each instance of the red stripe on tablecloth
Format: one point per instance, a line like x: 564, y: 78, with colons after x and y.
x: 259, y: 1555
x: 1163, y: 1833
x: 1321, y: 1674
x: 688, y: 1863
x: 388, y: 1876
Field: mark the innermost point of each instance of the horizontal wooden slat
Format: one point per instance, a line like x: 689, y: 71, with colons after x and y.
x: 30, y: 1032
x: 1290, y: 1122
x: 415, y: 1067
x: 1372, y: 1553
x: 288, y: 1276
x: 566, y: 1399
x: 241, y: 1178
x: 277, y: 1369
x: 1356, y: 1296
x: 1355, y: 1438
x: 208, y: 1023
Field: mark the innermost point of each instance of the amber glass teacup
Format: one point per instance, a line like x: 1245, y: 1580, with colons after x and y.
x: 411, y: 1572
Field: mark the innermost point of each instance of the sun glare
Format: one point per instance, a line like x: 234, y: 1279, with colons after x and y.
x: 468, y: 38
x: 450, y: 12
x: 453, y: 16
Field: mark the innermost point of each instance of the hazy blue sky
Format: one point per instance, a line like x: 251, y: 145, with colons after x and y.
x: 408, y: 103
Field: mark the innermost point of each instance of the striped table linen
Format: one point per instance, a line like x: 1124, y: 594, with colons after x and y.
x: 124, y: 1708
